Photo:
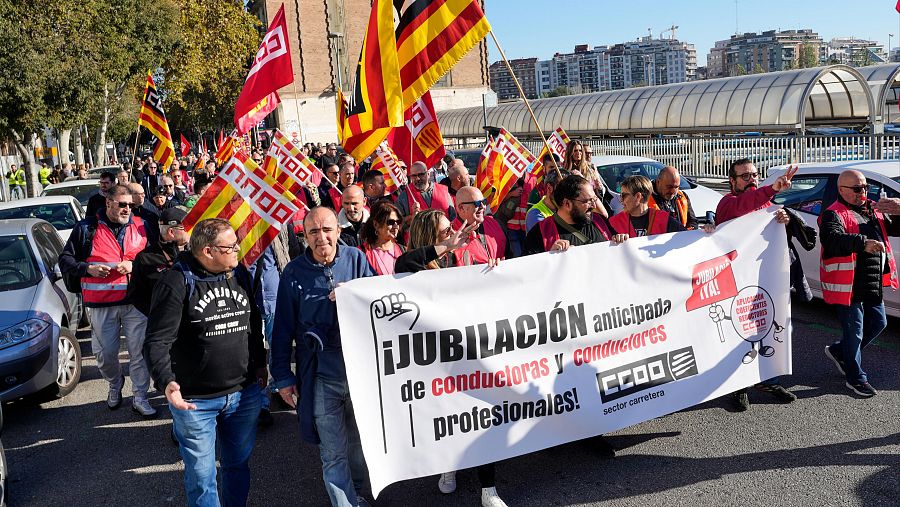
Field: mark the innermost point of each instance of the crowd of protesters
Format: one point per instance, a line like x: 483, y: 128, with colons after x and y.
x: 223, y: 340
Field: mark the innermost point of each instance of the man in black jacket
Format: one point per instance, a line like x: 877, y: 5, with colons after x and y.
x: 157, y: 258
x: 857, y: 263
x: 205, y: 349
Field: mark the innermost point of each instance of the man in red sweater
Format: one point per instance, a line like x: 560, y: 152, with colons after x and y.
x: 747, y: 196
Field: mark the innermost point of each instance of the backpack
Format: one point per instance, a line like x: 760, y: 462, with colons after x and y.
x: 190, y: 279
x: 71, y: 280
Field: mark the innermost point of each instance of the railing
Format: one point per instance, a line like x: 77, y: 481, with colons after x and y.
x: 709, y: 157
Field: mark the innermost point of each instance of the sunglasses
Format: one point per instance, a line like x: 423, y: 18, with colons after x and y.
x: 123, y: 205
x: 391, y: 222
x: 480, y: 203
x: 420, y: 175
x: 748, y: 176
x: 859, y: 189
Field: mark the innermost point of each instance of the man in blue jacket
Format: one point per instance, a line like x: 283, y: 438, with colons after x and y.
x: 306, y: 316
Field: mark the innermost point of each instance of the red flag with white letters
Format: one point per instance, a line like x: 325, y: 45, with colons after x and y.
x: 270, y: 71
x: 419, y: 139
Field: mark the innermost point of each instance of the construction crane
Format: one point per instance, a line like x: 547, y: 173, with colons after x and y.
x: 672, y: 29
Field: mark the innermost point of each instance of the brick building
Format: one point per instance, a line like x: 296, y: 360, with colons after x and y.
x: 326, y: 37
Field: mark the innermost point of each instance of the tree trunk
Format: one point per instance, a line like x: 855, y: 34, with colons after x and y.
x: 64, y: 142
x: 79, y: 147
x: 25, y: 147
x: 100, y: 142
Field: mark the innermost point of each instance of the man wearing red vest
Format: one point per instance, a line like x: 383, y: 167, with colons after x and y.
x: 669, y: 198
x: 422, y: 194
x: 637, y: 218
x: 100, y: 251
x: 487, y: 243
x: 746, y: 197
x: 857, y: 263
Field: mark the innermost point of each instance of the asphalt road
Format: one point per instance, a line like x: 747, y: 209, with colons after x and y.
x: 828, y: 448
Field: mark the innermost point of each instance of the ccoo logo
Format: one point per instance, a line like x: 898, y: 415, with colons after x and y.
x: 645, y: 374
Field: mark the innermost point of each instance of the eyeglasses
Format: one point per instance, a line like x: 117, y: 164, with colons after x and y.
x: 589, y: 200
x: 332, y: 173
x: 122, y: 205
x: 447, y: 232
x: 624, y: 194
x: 480, y: 203
x: 169, y: 186
x: 748, y: 176
x: 858, y: 188
x: 392, y: 223
x: 225, y: 249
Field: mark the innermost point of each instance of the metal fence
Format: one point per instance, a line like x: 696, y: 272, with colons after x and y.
x: 709, y: 157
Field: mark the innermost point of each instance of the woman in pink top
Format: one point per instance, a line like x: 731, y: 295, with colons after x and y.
x: 379, y: 237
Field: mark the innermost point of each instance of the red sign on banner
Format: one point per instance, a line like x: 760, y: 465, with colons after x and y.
x: 712, y: 281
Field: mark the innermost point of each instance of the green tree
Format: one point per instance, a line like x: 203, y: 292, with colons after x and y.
x: 758, y: 69
x: 559, y: 91
x: 809, y: 56
x: 205, y: 72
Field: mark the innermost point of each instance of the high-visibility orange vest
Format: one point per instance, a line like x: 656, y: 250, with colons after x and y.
x: 681, y: 206
x: 105, y: 249
x: 657, y: 223
x: 836, y: 273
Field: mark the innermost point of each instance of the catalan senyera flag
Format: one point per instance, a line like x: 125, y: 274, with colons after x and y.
x: 287, y: 164
x: 557, y: 141
x: 484, y: 174
x: 400, y: 61
x: 508, y: 161
x: 252, y: 201
x: 387, y: 162
x: 153, y: 118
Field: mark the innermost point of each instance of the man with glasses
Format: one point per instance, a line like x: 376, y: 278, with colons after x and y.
x: 746, y: 197
x: 206, y: 352
x: 330, y: 191
x: 141, y: 208
x: 667, y: 196
x: 150, y: 181
x: 101, y: 251
x: 97, y: 201
x: 422, y: 194
x: 306, y: 317
x: 487, y: 244
x: 857, y: 263
x: 174, y: 195
x: 329, y: 158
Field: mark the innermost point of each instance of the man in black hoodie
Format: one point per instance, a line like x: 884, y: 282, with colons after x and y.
x: 205, y: 349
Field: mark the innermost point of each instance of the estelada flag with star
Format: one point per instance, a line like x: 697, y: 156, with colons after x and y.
x: 255, y: 205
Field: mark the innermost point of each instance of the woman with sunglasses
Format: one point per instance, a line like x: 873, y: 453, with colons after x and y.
x: 432, y: 241
x: 577, y: 162
x: 379, y: 238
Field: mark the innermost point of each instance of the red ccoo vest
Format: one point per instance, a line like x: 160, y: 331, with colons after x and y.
x: 105, y: 249
x: 549, y: 232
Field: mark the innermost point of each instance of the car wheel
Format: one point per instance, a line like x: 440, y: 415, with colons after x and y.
x: 68, y: 371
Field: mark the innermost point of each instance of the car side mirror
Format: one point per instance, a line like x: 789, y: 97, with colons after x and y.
x: 56, y: 275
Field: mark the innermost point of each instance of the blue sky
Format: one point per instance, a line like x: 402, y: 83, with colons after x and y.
x: 527, y: 28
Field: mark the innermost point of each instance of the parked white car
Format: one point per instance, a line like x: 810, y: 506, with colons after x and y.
x: 79, y: 189
x: 39, y: 353
x: 615, y: 168
x: 814, y: 188
x: 62, y: 211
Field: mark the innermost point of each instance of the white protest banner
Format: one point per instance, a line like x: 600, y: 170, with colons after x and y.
x: 453, y: 368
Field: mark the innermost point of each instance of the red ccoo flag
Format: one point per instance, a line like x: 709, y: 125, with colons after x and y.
x: 185, y: 146
x: 898, y: 6
x: 270, y: 71
x: 420, y: 137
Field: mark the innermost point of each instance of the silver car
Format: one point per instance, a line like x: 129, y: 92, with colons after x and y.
x: 39, y: 353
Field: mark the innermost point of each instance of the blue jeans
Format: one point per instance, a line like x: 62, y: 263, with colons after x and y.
x: 861, y: 324
x: 268, y: 322
x: 230, y: 420
x: 343, y: 465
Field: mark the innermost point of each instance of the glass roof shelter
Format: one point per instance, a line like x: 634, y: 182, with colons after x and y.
x: 788, y: 101
x: 884, y: 82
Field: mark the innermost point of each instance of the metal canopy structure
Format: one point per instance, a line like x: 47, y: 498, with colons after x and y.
x: 884, y: 83
x: 787, y: 101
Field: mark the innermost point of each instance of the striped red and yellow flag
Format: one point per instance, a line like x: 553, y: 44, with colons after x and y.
x: 388, y: 163
x: 558, y: 141
x: 153, y: 118
x: 252, y: 201
x: 484, y: 174
x: 507, y: 161
x: 288, y: 165
x: 400, y: 61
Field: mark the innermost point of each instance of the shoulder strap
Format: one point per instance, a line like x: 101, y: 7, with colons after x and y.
x: 581, y: 237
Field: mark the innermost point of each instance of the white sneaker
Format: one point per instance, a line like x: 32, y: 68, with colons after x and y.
x: 490, y: 498
x: 447, y: 483
x: 142, y: 407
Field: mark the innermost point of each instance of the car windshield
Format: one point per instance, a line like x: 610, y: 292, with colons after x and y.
x: 81, y: 192
x: 896, y: 178
x: 613, y: 174
x: 60, y: 215
x: 18, y: 267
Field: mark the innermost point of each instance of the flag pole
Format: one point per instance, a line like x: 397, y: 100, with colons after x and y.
x: 524, y: 98
x: 297, y: 107
x: 137, y: 135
